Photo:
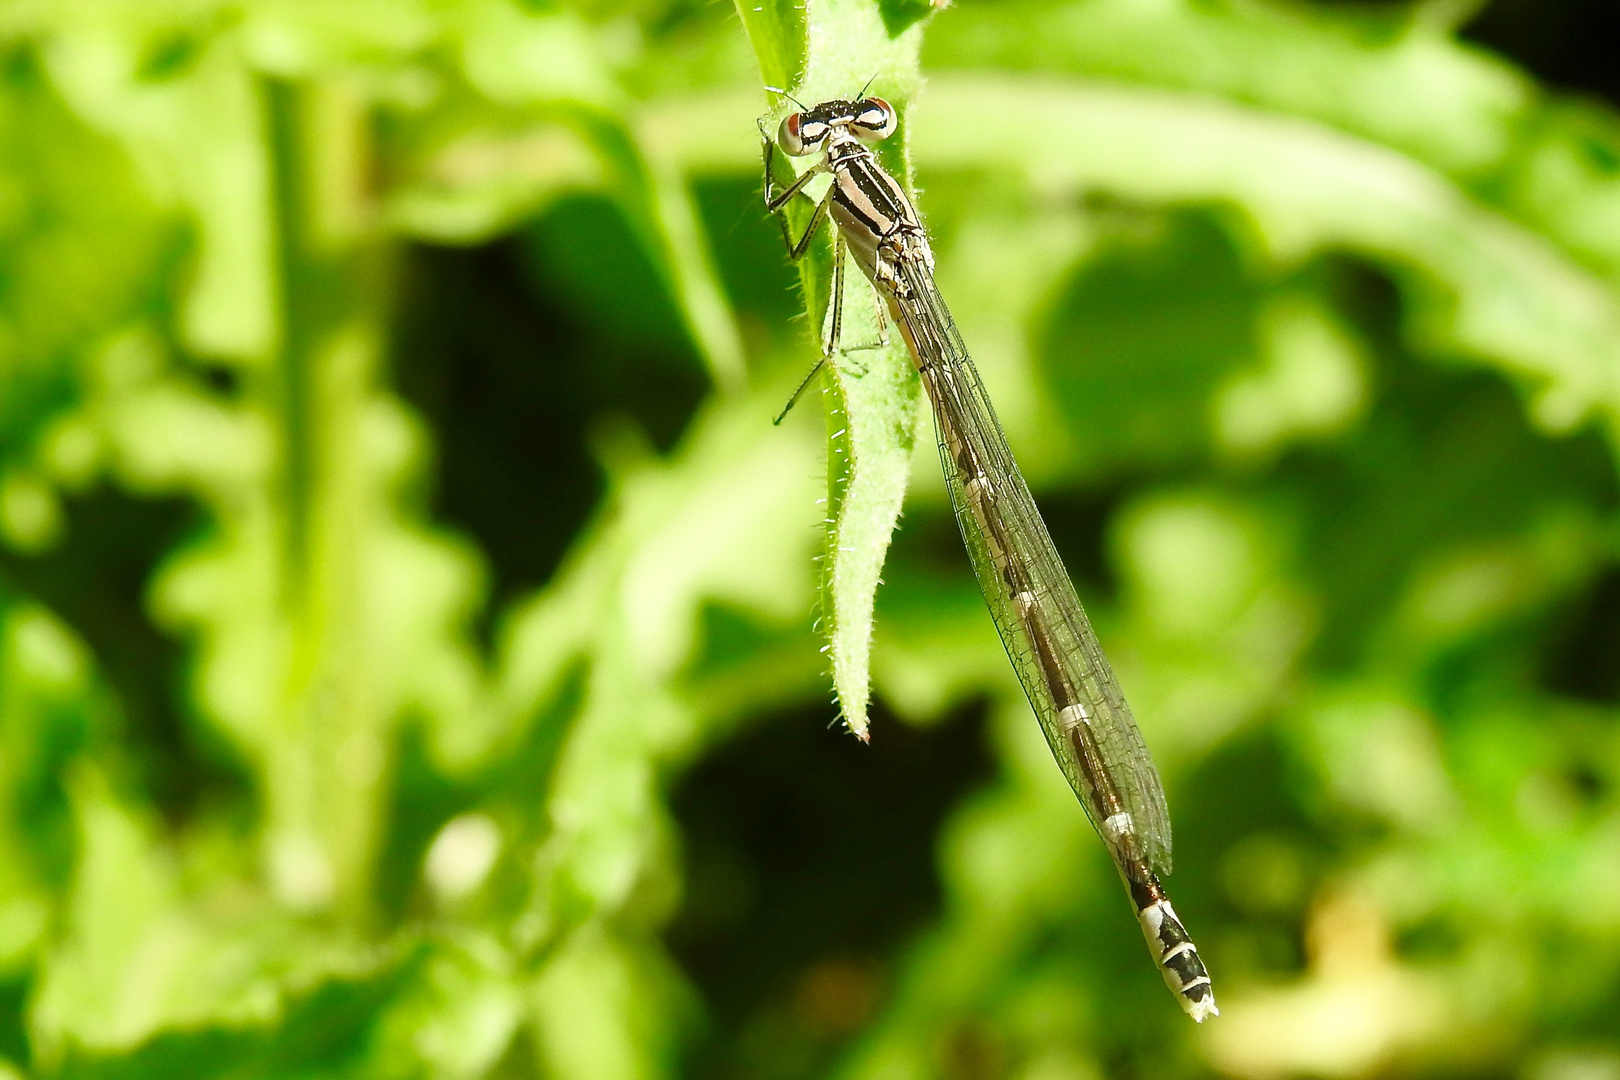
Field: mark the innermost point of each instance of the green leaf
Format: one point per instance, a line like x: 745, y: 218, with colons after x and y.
x: 872, y: 391
x: 777, y: 30
x: 872, y: 415
x: 55, y: 715
x: 198, y: 962
x: 1375, y: 72
x: 1487, y: 288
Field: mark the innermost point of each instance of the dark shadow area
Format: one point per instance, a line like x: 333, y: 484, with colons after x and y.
x: 746, y: 246
x: 1481, y: 474
x: 1572, y: 44
x: 1247, y: 857
x: 14, y: 1019
x: 512, y: 352
x: 96, y: 580
x: 809, y: 860
x: 1078, y: 521
x: 1583, y: 654
x: 1484, y: 476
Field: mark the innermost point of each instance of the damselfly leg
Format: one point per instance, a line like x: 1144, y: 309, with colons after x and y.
x: 835, y: 301
x: 804, y: 384
x: 775, y: 203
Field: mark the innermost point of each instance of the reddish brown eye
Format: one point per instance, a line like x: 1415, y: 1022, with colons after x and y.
x: 799, y: 136
x: 788, y: 137
x: 876, y: 119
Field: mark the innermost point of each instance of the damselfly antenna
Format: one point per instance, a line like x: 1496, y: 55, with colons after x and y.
x: 790, y: 97
x: 866, y: 87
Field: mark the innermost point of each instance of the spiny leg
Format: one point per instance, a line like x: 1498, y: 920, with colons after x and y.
x: 797, y: 249
x: 882, y: 341
x: 775, y: 200
x: 882, y: 320
x: 797, y: 394
x: 835, y: 302
x: 835, y: 315
x: 835, y: 339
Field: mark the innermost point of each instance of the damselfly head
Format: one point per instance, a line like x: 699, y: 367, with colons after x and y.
x: 870, y: 119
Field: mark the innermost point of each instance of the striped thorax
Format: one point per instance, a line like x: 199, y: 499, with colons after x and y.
x: 873, y: 214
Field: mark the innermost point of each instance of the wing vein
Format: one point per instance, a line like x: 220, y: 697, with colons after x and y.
x: 1043, y: 626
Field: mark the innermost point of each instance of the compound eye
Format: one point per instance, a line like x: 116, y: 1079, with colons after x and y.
x: 799, y: 136
x: 789, y: 136
x: 876, y: 118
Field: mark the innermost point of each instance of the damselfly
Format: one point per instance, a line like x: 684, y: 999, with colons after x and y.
x: 1045, y: 630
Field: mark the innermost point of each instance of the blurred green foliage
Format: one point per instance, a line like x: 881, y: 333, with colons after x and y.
x: 407, y: 663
